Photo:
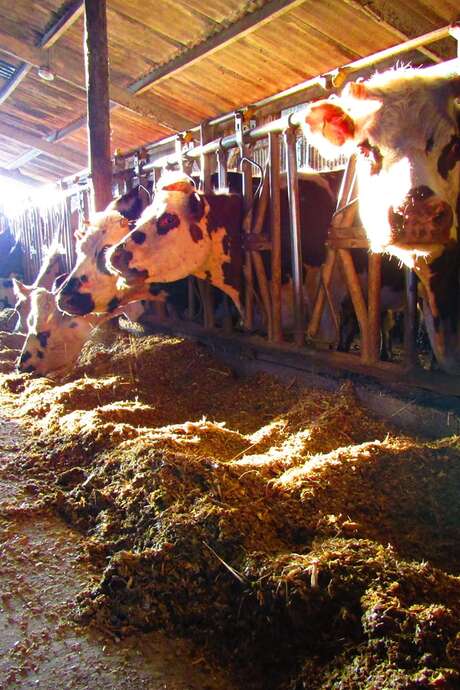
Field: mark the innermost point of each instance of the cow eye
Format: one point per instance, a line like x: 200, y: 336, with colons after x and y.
x: 372, y: 154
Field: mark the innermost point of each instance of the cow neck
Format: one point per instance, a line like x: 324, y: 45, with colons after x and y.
x: 223, y: 266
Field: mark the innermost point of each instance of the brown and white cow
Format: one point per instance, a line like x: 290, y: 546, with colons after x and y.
x: 182, y: 233
x: 405, y: 126
x: 90, y: 287
x: 52, y: 269
x: 54, y: 340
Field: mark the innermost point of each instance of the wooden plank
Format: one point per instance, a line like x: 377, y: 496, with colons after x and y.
x: 70, y: 16
x: 54, y: 150
x: 98, y: 108
x: 144, y: 106
x: 15, y: 80
x: 236, y: 31
x: 19, y: 177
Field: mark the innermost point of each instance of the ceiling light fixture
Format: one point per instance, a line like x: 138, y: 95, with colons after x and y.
x: 45, y: 73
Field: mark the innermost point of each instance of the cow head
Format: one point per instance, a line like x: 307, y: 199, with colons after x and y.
x: 404, y: 125
x: 90, y: 287
x: 184, y: 233
x: 54, y: 340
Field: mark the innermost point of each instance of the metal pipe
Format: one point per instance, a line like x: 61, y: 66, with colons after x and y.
x: 410, y: 317
x: 275, y: 233
x: 369, y: 60
x: 296, y: 235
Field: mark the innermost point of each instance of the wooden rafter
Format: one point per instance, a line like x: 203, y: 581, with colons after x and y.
x: 19, y: 177
x: 15, y: 80
x: 60, y: 26
x: 137, y: 104
x: 247, y: 24
x: 54, y: 150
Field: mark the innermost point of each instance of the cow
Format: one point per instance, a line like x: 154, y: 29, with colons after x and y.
x: 90, y: 287
x: 54, y: 340
x: 404, y: 125
x: 185, y: 232
x: 51, y: 270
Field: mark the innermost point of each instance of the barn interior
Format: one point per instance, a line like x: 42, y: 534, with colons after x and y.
x: 284, y: 503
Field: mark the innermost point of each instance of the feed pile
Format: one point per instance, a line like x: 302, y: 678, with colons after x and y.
x: 306, y: 543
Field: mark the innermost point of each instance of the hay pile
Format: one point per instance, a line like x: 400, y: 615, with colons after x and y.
x: 303, y: 541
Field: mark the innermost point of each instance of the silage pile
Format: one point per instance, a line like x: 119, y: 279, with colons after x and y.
x: 303, y: 541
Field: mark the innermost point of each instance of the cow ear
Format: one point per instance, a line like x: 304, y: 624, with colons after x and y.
x: 129, y: 205
x: 330, y: 121
x: 80, y: 232
x: 176, y: 181
x: 21, y: 290
x: 454, y: 85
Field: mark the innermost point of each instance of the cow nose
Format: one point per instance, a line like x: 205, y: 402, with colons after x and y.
x: 79, y: 303
x: 422, y: 217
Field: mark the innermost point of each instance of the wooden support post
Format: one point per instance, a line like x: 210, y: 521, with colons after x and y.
x: 410, y: 318
x: 359, y: 304
x: 373, y: 304
x: 296, y: 241
x: 97, y: 85
x: 275, y: 232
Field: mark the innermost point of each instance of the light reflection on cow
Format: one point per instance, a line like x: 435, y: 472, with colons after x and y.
x: 183, y: 233
x: 405, y: 126
x: 54, y: 340
x: 51, y: 270
x: 90, y: 287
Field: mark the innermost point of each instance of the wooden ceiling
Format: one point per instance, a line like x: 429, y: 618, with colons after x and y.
x: 174, y: 64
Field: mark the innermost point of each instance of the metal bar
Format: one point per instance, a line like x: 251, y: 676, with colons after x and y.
x: 296, y: 236
x: 410, y: 318
x: 278, y: 125
x: 258, y: 221
x: 222, y: 176
x: 70, y: 16
x: 205, y: 288
x: 246, y: 170
x: 275, y: 232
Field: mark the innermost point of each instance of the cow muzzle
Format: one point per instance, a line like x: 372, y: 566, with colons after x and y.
x: 119, y: 259
x: 422, y: 218
x: 75, y: 303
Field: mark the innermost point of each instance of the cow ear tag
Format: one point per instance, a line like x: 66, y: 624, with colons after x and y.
x: 331, y: 122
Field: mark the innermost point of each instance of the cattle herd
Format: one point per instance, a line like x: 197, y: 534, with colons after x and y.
x: 404, y: 126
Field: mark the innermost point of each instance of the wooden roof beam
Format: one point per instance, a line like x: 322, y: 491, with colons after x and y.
x: 72, y: 13
x: 61, y: 25
x: 14, y: 82
x: 19, y: 177
x: 378, y: 15
x: 54, y: 150
x: 247, y: 24
x: 137, y: 104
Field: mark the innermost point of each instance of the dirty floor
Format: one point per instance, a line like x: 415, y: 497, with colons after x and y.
x: 42, y: 569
